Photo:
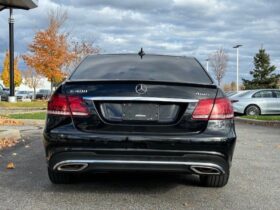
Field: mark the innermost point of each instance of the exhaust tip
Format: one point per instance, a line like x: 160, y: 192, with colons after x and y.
x: 70, y: 166
x: 206, y: 170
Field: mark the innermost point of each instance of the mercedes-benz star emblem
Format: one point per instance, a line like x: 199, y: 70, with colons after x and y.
x: 141, y: 89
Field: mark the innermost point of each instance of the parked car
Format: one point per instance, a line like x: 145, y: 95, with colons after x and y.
x: 23, y: 94
x: 234, y: 93
x: 230, y: 93
x: 257, y: 102
x: 43, y: 94
x: 127, y: 113
x: 3, y: 94
x: 6, y: 90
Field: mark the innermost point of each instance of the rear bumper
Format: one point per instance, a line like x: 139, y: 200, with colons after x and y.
x: 109, y: 152
x: 238, y: 108
x: 90, y: 161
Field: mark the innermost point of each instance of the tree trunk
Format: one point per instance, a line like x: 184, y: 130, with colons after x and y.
x: 51, y: 86
x: 34, y: 93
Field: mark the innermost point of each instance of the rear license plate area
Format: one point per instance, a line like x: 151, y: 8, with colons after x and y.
x: 140, y: 112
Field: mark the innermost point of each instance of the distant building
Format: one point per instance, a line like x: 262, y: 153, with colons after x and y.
x: 45, y: 84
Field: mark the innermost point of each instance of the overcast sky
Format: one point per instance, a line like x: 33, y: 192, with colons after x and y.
x: 178, y: 27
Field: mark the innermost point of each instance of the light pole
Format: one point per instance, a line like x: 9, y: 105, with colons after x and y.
x: 11, y: 49
x: 237, y: 65
x: 11, y: 4
x: 207, y: 64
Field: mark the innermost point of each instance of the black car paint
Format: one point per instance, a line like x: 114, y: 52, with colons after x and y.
x: 92, y: 137
x: 61, y: 131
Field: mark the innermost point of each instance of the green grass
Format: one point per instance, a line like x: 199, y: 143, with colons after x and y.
x: 33, y: 116
x: 20, y: 104
x: 264, y: 117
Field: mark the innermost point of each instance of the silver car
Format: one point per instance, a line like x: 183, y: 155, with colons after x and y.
x: 256, y: 102
x: 23, y: 94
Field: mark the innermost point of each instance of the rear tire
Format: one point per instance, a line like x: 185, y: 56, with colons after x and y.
x: 59, y: 177
x: 214, y: 180
x: 252, y: 110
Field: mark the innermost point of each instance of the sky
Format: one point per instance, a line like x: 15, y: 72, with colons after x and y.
x: 175, y: 27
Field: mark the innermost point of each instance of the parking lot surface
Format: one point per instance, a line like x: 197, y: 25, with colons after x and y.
x: 254, y: 181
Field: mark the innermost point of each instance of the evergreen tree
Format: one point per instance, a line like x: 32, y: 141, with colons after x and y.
x: 263, y: 73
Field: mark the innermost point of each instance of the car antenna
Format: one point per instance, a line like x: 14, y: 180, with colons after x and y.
x: 141, y: 53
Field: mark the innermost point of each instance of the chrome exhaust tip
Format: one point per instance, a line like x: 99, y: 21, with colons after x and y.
x: 74, y: 167
x: 206, y: 170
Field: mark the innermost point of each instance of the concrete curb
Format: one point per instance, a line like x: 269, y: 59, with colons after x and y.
x: 24, y: 108
x: 33, y: 122
x: 17, y: 110
x: 269, y: 123
x: 21, y: 122
x: 9, y: 138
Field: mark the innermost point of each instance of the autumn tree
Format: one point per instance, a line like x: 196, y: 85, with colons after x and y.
x: 32, y: 79
x: 226, y: 87
x: 230, y: 86
x: 5, y: 76
x: 218, y: 61
x: 50, y: 52
x: 233, y: 85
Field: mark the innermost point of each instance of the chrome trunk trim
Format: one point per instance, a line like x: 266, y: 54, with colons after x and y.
x: 136, y: 98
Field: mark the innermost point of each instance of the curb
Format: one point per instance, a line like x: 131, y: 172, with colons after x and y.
x: 10, y: 122
x: 33, y: 122
x: 267, y: 123
x: 5, y: 111
x: 21, y: 122
x: 23, y: 108
x: 9, y: 138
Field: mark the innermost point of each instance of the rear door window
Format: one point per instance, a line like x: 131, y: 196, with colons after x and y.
x: 277, y: 93
x: 263, y: 94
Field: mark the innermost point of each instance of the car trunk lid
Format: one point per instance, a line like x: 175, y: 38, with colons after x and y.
x: 117, y: 107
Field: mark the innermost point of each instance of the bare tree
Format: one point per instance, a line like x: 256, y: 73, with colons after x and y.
x: 32, y: 79
x: 218, y: 61
x: 57, y: 17
x: 80, y: 49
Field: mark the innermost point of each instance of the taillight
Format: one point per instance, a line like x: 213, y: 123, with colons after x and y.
x: 222, y: 110
x: 213, y: 109
x: 62, y: 105
x: 203, y: 109
x: 77, y: 106
x: 58, y: 105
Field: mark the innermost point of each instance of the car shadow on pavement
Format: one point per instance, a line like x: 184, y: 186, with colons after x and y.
x: 133, y: 183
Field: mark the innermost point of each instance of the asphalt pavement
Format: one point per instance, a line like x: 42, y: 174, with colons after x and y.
x: 254, y: 181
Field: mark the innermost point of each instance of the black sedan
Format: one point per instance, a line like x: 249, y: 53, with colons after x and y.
x: 43, y: 94
x: 146, y: 113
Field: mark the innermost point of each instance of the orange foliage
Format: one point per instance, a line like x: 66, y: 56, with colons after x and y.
x: 6, y: 71
x: 49, y: 51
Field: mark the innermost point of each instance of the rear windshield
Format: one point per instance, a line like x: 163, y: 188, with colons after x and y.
x: 149, y: 68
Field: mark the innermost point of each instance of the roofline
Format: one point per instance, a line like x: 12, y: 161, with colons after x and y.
x: 210, y: 85
x: 116, y: 54
x: 254, y: 90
